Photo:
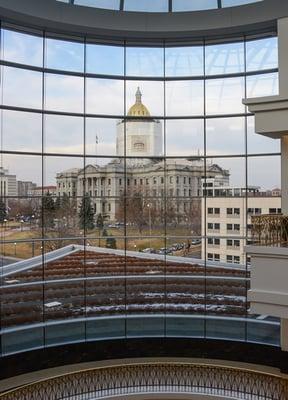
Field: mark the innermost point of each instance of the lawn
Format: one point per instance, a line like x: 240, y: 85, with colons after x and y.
x: 134, y: 240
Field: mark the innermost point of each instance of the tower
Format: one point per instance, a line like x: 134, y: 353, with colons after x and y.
x: 144, y: 136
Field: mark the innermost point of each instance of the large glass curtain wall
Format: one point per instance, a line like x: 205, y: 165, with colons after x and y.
x: 177, y: 176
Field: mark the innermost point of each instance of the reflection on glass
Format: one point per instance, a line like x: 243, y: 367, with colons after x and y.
x: 194, y: 5
x: 262, y: 54
x: 185, y: 137
x: 22, y: 48
x: 60, y: 172
x: 264, y: 172
x: 144, y: 61
x: 64, y: 93
x: 104, y: 96
x: 258, y: 143
x: 148, y: 5
x: 233, y: 171
x: 55, y: 139
x: 109, y: 4
x: 100, y: 137
x: 145, y: 193
x: 21, y: 131
x: 184, y: 98
x: 64, y: 55
x: 262, y: 85
x: 98, y: 59
x: 146, y: 97
x: 184, y: 61
x: 224, y: 96
x: 224, y: 58
x: 225, y: 136
x: 17, y: 83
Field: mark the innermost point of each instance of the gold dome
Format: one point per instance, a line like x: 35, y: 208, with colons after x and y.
x: 138, y: 109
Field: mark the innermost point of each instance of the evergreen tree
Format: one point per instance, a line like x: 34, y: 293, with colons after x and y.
x: 58, y: 203
x: 100, y: 222
x: 48, y: 210
x: 111, y: 243
x: 65, y: 202
x: 86, y: 213
x: 3, y: 212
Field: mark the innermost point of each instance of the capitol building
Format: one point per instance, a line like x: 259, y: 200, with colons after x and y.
x: 144, y: 171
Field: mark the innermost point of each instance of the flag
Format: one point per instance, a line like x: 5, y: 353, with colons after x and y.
x: 96, y: 139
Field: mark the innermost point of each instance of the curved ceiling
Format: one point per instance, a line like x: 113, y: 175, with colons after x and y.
x: 61, y: 17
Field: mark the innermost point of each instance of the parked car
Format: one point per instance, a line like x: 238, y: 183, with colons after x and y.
x: 149, y: 250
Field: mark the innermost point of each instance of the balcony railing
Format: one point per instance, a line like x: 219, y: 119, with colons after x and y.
x: 152, y: 379
x: 270, y: 230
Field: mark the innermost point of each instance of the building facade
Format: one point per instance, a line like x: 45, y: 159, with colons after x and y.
x: 144, y: 172
x: 226, y: 224
x: 8, y: 185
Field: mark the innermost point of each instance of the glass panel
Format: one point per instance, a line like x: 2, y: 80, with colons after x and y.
x: 232, y: 174
x: 64, y: 333
x: 148, y: 5
x: 105, y: 328
x: 225, y: 136
x: 14, y: 342
x: 102, y: 137
x: 143, y: 137
x: 63, y: 300
x: 224, y: 58
x: 259, y: 143
x: 144, y: 98
x: 103, y: 182
x: 177, y: 326
x: 21, y: 232
x: 58, y: 168
x: 231, y: 3
x: 224, y: 96
x: 98, y: 59
x: 145, y: 326
x: 109, y: 4
x: 225, y: 328
x: 21, y: 131
x: 64, y: 93
x: 21, y: 305
x: 194, y: 5
x: 262, y: 85
x: 104, y: 96
x: 22, y: 168
x: 262, y: 54
x: 22, y: 48
x: 185, y: 138
x: 64, y: 55
x: 17, y: 83
x: 260, y: 332
x: 264, y: 173
x: 144, y: 61
x: 184, y: 98
x: 184, y: 61
x: 98, y: 303
x: 63, y: 134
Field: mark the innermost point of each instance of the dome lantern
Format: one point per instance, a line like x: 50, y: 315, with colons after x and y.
x: 138, y: 109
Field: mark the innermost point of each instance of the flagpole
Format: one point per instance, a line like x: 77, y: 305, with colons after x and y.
x: 96, y: 145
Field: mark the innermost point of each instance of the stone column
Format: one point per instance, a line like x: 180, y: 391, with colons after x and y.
x: 284, y: 173
x: 283, y: 55
x: 283, y: 91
